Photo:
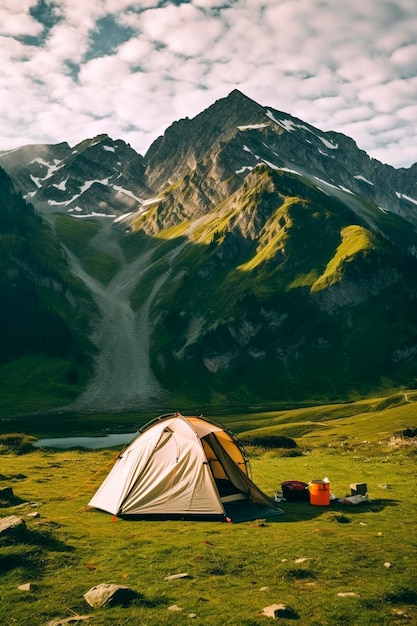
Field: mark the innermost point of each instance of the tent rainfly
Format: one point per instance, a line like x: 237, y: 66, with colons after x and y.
x: 186, y: 467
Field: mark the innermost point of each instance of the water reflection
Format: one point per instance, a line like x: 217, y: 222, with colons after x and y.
x: 91, y: 443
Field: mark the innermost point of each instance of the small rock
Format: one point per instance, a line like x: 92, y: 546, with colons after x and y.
x: 35, y: 514
x: 26, y: 587
x: 301, y: 560
x: 24, y: 505
x: 192, y: 615
x: 109, y: 594
x: 348, y: 594
x: 387, y: 565
x: 175, y: 576
x: 277, y: 611
x: 174, y: 607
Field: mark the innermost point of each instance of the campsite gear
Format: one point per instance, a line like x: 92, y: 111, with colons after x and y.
x: 295, y: 491
x: 358, y: 499
x: 319, y: 492
x: 358, y: 488
x: 180, y: 467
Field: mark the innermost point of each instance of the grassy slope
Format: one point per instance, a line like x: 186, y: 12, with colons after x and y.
x: 77, y: 234
x: 43, y: 375
x: 303, y: 559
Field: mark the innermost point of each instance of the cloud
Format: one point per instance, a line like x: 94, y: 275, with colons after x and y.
x: 71, y: 68
x: 18, y: 25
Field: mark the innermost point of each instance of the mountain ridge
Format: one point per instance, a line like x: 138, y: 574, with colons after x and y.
x: 251, y: 256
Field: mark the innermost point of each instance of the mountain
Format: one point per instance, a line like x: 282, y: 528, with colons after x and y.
x: 98, y: 176
x: 41, y: 324
x: 246, y: 258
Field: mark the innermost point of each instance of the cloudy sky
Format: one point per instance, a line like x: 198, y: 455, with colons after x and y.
x: 70, y: 69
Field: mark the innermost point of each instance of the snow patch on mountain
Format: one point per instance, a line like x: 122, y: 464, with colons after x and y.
x: 123, y: 217
x: 252, y: 126
x: 286, y: 124
x: 360, y: 177
x: 327, y: 143
x: 36, y: 180
x: 244, y: 168
x: 92, y: 214
x: 62, y: 186
x: 51, y: 167
x: 291, y: 125
x: 127, y: 193
x: 404, y: 197
x: 84, y: 187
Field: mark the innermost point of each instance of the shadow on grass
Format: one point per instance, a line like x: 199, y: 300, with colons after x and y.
x: 14, y: 500
x: 296, y: 511
x: 27, y: 549
x: 42, y: 539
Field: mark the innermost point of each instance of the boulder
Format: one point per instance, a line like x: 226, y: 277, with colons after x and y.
x: 277, y: 611
x: 9, y: 524
x: 108, y: 593
x: 6, y: 495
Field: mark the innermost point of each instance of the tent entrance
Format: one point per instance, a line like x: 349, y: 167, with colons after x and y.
x: 223, y: 468
x: 228, y: 492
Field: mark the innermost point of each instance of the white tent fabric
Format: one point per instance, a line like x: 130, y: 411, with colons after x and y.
x: 175, y: 467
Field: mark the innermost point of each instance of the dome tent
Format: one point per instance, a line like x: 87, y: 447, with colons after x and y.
x: 180, y: 467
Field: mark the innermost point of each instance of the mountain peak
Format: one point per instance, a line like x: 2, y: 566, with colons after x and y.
x: 239, y: 95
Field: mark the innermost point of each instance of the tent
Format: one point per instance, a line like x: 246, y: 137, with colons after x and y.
x: 183, y: 467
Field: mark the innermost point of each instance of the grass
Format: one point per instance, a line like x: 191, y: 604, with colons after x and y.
x: 304, y: 559
x: 77, y: 235
x: 36, y: 382
x: 355, y: 240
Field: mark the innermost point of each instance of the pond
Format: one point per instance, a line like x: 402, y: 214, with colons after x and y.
x: 90, y: 443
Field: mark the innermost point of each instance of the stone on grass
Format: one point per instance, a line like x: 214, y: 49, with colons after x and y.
x: 277, y: 611
x: 175, y: 576
x: 174, y: 607
x: 348, y: 594
x: 6, y: 494
x: 10, y: 523
x: 108, y: 593
x: 26, y: 587
x: 35, y: 514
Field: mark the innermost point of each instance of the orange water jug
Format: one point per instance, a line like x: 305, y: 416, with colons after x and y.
x: 319, y: 492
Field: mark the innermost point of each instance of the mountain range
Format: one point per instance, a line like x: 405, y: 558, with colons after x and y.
x: 247, y: 258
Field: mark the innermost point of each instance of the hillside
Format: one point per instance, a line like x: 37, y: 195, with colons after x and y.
x: 246, y: 258
x: 43, y: 347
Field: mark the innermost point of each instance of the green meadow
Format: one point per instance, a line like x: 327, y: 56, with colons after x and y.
x: 334, y: 565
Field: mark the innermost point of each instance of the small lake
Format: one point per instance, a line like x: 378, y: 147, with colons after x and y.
x: 91, y: 443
